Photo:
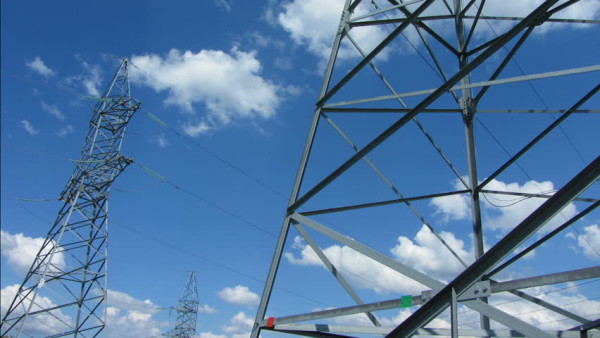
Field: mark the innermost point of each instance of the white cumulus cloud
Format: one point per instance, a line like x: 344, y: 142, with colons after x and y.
x: 427, y: 254
x: 503, y: 212
x: 127, y: 316
x: 196, y: 128
x: 228, y: 85
x: 360, y: 270
x: 43, y: 324
x: 424, y: 253
x: 90, y: 79
x: 205, y: 308
x: 241, y: 324
x: 509, y: 215
x: 38, y: 66
x: 453, y: 207
x: 122, y: 300
x: 584, y: 10
x: 210, y: 335
x: 130, y: 323
x: 545, y: 319
x: 313, y: 24
x: 589, y: 241
x: 239, y: 295
x: 20, y: 251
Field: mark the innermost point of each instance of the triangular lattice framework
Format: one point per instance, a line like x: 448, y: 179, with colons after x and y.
x: 65, y: 288
x: 187, y: 312
x: 486, y: 49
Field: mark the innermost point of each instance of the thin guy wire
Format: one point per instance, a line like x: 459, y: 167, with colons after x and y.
x: 221, y: 159
x: 398, y: 193
x: 217, y: 157
x: 161, y: 178
x: 198, y: 197
x: 442, y: 75
x: 213, y: 154
x: 533, y: 181
x: 367, y: 280
x: 514, y: 60
x: 258, y: 227
x: 191, y: 254
x: 539, y: 96
x: 210, y: 261
x: 167, y: 126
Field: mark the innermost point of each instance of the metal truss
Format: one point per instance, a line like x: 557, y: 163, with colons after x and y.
x: 187, y: 312
x: 64, y: 291
x: 459, y: 41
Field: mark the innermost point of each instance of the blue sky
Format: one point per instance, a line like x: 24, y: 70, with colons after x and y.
x: 236, y: 82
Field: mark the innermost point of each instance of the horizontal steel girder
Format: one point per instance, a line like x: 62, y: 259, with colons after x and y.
x: 292, y: 328
x: 563, y: 277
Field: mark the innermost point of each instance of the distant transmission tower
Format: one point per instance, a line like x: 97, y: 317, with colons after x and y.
x: 395, y: 130
x: 187, y: 312
x: 64, y: 291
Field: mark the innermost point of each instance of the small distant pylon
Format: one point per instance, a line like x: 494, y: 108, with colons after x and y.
x: 64, y: 292
x: 187, y: 312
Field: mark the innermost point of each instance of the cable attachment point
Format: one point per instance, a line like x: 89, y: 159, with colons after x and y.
x: 345, y: 19
x: 541, y: 19
x: 469, y: 107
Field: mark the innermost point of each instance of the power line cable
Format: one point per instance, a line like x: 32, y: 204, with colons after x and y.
x: 174, y: 130
x: 561, y: 320
x: 189, y: 192
x: 212, y: 154
x: 160, y: 178
x: 225, y: 161
x: 204, y: 200
x: 210, y: 261
x: 191, y: 254
x: 243, y: 172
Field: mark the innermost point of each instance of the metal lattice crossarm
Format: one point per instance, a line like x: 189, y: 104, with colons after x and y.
x: 65, y: 288
x: 473, y: 54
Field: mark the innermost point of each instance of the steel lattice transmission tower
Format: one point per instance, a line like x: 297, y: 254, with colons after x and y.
x: 402, y: 116
x: 65, y: 288
x: 187, y: 312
